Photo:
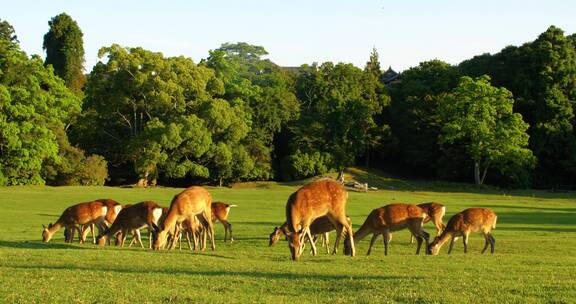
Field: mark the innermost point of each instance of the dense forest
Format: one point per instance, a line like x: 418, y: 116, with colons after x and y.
x: 503, y: 119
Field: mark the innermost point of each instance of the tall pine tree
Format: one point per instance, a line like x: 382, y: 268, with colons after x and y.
x: 65, y: 51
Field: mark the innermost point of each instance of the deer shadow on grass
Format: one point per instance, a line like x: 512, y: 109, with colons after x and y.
x: 38, y: 245
x: 219, y: 273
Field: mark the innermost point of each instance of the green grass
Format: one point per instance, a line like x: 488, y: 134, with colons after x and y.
x: 534, y: 260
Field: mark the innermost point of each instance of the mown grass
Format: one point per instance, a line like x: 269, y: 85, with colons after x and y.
x: 534, y: 260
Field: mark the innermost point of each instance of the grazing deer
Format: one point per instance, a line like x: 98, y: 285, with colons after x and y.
x: 461, y: 224
x: 220, y: 212
x: 324, y: 197
x: 320, y: 226
x: 186, y: 205
x: 435, y: 212
x: 75, y: 216
x: 113, y: 209
x: 134, y: 217
x: 391, y: 218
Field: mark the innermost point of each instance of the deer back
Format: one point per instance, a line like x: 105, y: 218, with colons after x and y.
x: 472, y: 220
x: 83, y: 213
x: 396, y: 216
x: 314, y: 200
x: 113, y: 209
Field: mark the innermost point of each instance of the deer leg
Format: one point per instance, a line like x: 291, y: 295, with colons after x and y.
x: 139, y: 238
x: 411, y: 239
x: 492, y: 243
x: 92, y: 232
x: 486, y: 242
x: 339, y: 232
x: 465, y: 241
x: 372, y: 241
x: 387, y: 238
x: 451, y: 245
x: 227, y: 230
x: 326, y: 242
x: 312, y: 242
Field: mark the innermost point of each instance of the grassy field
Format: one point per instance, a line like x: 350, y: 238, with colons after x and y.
x: 534, y: 260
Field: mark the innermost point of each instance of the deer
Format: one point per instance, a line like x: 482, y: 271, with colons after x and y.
x: 320, y: 226
x: 325, y: 197
x: 461, y: 224
x: 113, y: 209
x: 187, y: 204
x: 74, y: 217
x: 435, y: 212
x: 220, y: 212
x: 391, y: 218
x: 133, y: 218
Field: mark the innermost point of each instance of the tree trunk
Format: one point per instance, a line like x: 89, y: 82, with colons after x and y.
x: 367, y: 156
x: 477, y: 173
x: 483, y: 175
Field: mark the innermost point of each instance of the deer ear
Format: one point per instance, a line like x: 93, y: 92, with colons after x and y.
x: 43, y: 227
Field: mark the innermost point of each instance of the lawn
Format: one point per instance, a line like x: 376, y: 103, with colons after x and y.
x: 534, y: 260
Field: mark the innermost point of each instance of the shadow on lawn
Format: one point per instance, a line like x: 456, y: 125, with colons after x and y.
x: 37, y: 245
x: 218, y: 273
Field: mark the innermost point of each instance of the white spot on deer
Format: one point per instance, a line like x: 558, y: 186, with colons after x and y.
x: 156, y: 214
x: 117, y: 209
x: 104, y: 210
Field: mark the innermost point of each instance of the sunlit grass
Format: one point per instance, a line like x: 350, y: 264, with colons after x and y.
x: 534, y: 259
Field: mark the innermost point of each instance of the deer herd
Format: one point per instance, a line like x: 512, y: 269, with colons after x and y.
x: 311, y: 212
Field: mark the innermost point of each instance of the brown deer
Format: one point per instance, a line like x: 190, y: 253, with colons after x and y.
x: 435, y: 212
x: 75, y: 216
x: 134, y: 217
x: 186, y: 205
x: 461, y: 224
x: 324, y: 197
x: 113, y: 209
x: 391, y: 218
x: 320, y: 226
x: 220, y: 212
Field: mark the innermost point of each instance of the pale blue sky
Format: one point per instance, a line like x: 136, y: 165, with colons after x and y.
x: 296, y: 32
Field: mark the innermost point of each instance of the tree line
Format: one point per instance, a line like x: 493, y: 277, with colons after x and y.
x: 504, y: 119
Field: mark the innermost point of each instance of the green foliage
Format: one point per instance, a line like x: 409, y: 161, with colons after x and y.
x: 480, y: 117
x: 339, y: 103
x: 415, y: 122
x: 34, y: 106
x: 542, y: 76
x: 65, y: 51
x: 267, y: 93
x: 7, y: 32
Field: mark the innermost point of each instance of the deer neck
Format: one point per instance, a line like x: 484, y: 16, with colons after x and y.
x: 362, y: 232
x: 170, y: 221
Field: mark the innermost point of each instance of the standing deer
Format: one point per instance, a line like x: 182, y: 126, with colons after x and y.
x: 220, y: 212
x: 435, y: 212
x: 75, y: 216
x: 324, y: 197
x: 461, y: 224
x: 390, y: 218
x: 186, y: 205
x: 134, y: 217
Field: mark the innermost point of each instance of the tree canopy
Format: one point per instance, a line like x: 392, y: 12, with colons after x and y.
x: 64, y: 47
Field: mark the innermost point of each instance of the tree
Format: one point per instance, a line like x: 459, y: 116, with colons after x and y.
x: 373, y: 64
x: 163, y: 117
x: 7, y: 32
x: 481, y: 118
x: 267, y: 92
x: 338, y: 105
x: 34, y: 106
x: 414, y: 119
x: 65, y: 51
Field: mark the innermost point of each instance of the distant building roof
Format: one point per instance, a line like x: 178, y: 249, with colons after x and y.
x: 389, y: 76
